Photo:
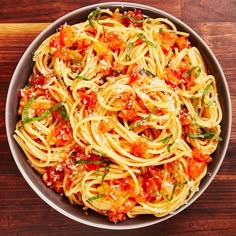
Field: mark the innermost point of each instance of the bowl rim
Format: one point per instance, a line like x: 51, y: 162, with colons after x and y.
x: 39, y: 38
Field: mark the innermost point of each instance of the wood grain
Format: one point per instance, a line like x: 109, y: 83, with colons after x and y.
x: 22, y: 212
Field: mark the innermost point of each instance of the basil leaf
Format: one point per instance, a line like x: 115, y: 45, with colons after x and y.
x: 191, y: 70
x: 168, y: 146
x: 144, y: 39
x: 106, y: 169
x: 62, y: 111
x: 26, y: 109
x: 166, y: 139
x: 96, y: 162
x: 81, y: 77
x: 96, y: 197
x: 42, y: 116
x: 195, y: 101
x: 92, y: 15
x: 129, y: 46
x: 101, y: 154
x: 147, y: 72
x: 205, y: 92
x: 207, y: 135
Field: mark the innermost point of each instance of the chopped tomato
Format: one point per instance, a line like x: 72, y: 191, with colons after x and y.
x: 184, y: 117
x: 182, y: 42
x: 195, y: 168
x: 139, y: 148
x: 167, y: 41
x: 120, y: 213
x: 151, y: 183
x: 53, y: 178
x: 106, y: 126
x: 133, y: 17
x: 114, y: 41
x: 66, y: 36
x: 89, y: 99
x: 175, y: 77
x: 83, y: 44
x: 199, y: 156
x: 61, y: 135
x: 37, y: 80
x: 55, y: 42
x: 129, y: 115
x: 133, y: 73
x: 142, y: 106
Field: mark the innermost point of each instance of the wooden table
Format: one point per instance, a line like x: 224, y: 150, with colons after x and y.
x: 22, y: 212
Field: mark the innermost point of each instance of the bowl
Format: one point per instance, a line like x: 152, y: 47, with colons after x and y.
x: 58, y: 202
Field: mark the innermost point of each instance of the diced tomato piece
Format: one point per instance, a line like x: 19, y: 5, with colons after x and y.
x: 106, y: 126
x: 55, y: 42
x: 61, y: 135
x: 184, y: 117
x: 120, y: 213
x: 167, y: 41
x: 66, y: 36
x: 195, y: 168
x: 37, y: 80
x: 133, y: 17
x: 53, y: 178
x: 151, y: 183
x: 133, y: 72
x: 182, y: 42
x: 115, y: 42
x: 199, y: 156
x: 89, y: 99
x: 129, y: 115
x: 139, y: 148
x: 175, y: 77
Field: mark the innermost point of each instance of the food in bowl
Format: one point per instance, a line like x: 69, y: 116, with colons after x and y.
x: 120, y: 114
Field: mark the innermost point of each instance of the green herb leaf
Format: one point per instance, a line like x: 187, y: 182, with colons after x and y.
x: 101, y: 154
x: 195, y: 101
x: 96, y: 162
x: 26, y: 109
x: 96, y: 197
x: 81, y: 77
x: 93, y: 14
x: 147, y: 72
x: 42, y: 116
x: 62, y: 111
x: 173, y: 191
x: 207, y: 135
x: 136, y: 124
x: 129, y: 46
x: 106, y: 169
x: 205, y: 92
x: 191, y: 70
x: 166, y: 139
x: 168, y: 146
x: 144, y: 39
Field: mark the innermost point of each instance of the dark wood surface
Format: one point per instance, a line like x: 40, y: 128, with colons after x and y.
x: 22, y: 212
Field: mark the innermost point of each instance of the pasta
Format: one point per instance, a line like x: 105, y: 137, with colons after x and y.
x: 120, y: 115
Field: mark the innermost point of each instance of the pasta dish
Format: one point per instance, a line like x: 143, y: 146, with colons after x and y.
x: 120, y: 115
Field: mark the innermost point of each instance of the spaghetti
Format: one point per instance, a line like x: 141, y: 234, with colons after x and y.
x: 120, y: 115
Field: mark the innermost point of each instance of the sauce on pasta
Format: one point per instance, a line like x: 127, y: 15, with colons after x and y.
x: 120, y: 115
